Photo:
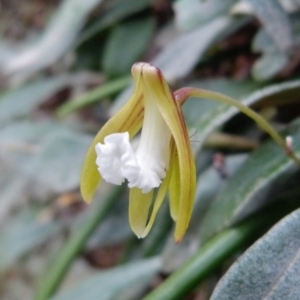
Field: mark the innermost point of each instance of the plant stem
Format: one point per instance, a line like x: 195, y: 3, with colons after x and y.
x: 68, y: 253
x: 183, y: 94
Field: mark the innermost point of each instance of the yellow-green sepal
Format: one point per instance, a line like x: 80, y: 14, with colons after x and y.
x: 174, y: 188
x: 139, y: 205
x: 161, y: 193
x: 129, y: 118
x: 156, y: 86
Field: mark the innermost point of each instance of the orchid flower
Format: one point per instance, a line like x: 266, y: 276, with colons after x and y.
x: 163, y: 159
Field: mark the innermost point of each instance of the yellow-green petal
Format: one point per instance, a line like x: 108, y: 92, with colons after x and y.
x: 156, y: 87
x: 129, y: 118
x: 174, y: 188
x: 139, y: 205
x: 161, y: 193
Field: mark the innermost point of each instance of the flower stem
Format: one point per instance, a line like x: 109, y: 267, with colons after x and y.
x: 55, y: 273
x: 183, y: 94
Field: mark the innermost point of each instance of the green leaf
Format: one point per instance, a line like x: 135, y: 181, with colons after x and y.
x: 108, y: 284
x: 207, y: 259
x: 113, y: 11
x: 273, y: 60
x: 56, y: 271
x: 179, y: 58
x: 192, y: 13
x: 269, y: 65
x: 29, y: 131
x: 126, y: 44
x: 20, y: 144
x: 256, y: 183
x: 59, y: 162
x: 59, y: 36
x: 93, y: 96
x: 12, y: 185
x: 269, y: 269
x: 19, y: 240
x: 48, y: 153
x: 181, y: 55
x: 23, y: 100
x: 275, y: 21
x: 114, y: 228
x: 263, y: 42
x: 290, y: 5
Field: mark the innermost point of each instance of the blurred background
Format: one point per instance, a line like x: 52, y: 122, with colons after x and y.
x: 65, y: 69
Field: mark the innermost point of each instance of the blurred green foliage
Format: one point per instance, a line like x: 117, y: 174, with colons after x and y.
x: 65, y: 69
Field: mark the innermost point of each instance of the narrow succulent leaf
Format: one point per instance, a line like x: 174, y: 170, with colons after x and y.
x: 174, y: 188
x: 139, y: 205
x: 129, y: 118
x: 174, y: 119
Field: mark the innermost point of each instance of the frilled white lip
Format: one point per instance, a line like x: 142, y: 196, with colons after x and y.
x: 117, y: 161
x: 145, y: 168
